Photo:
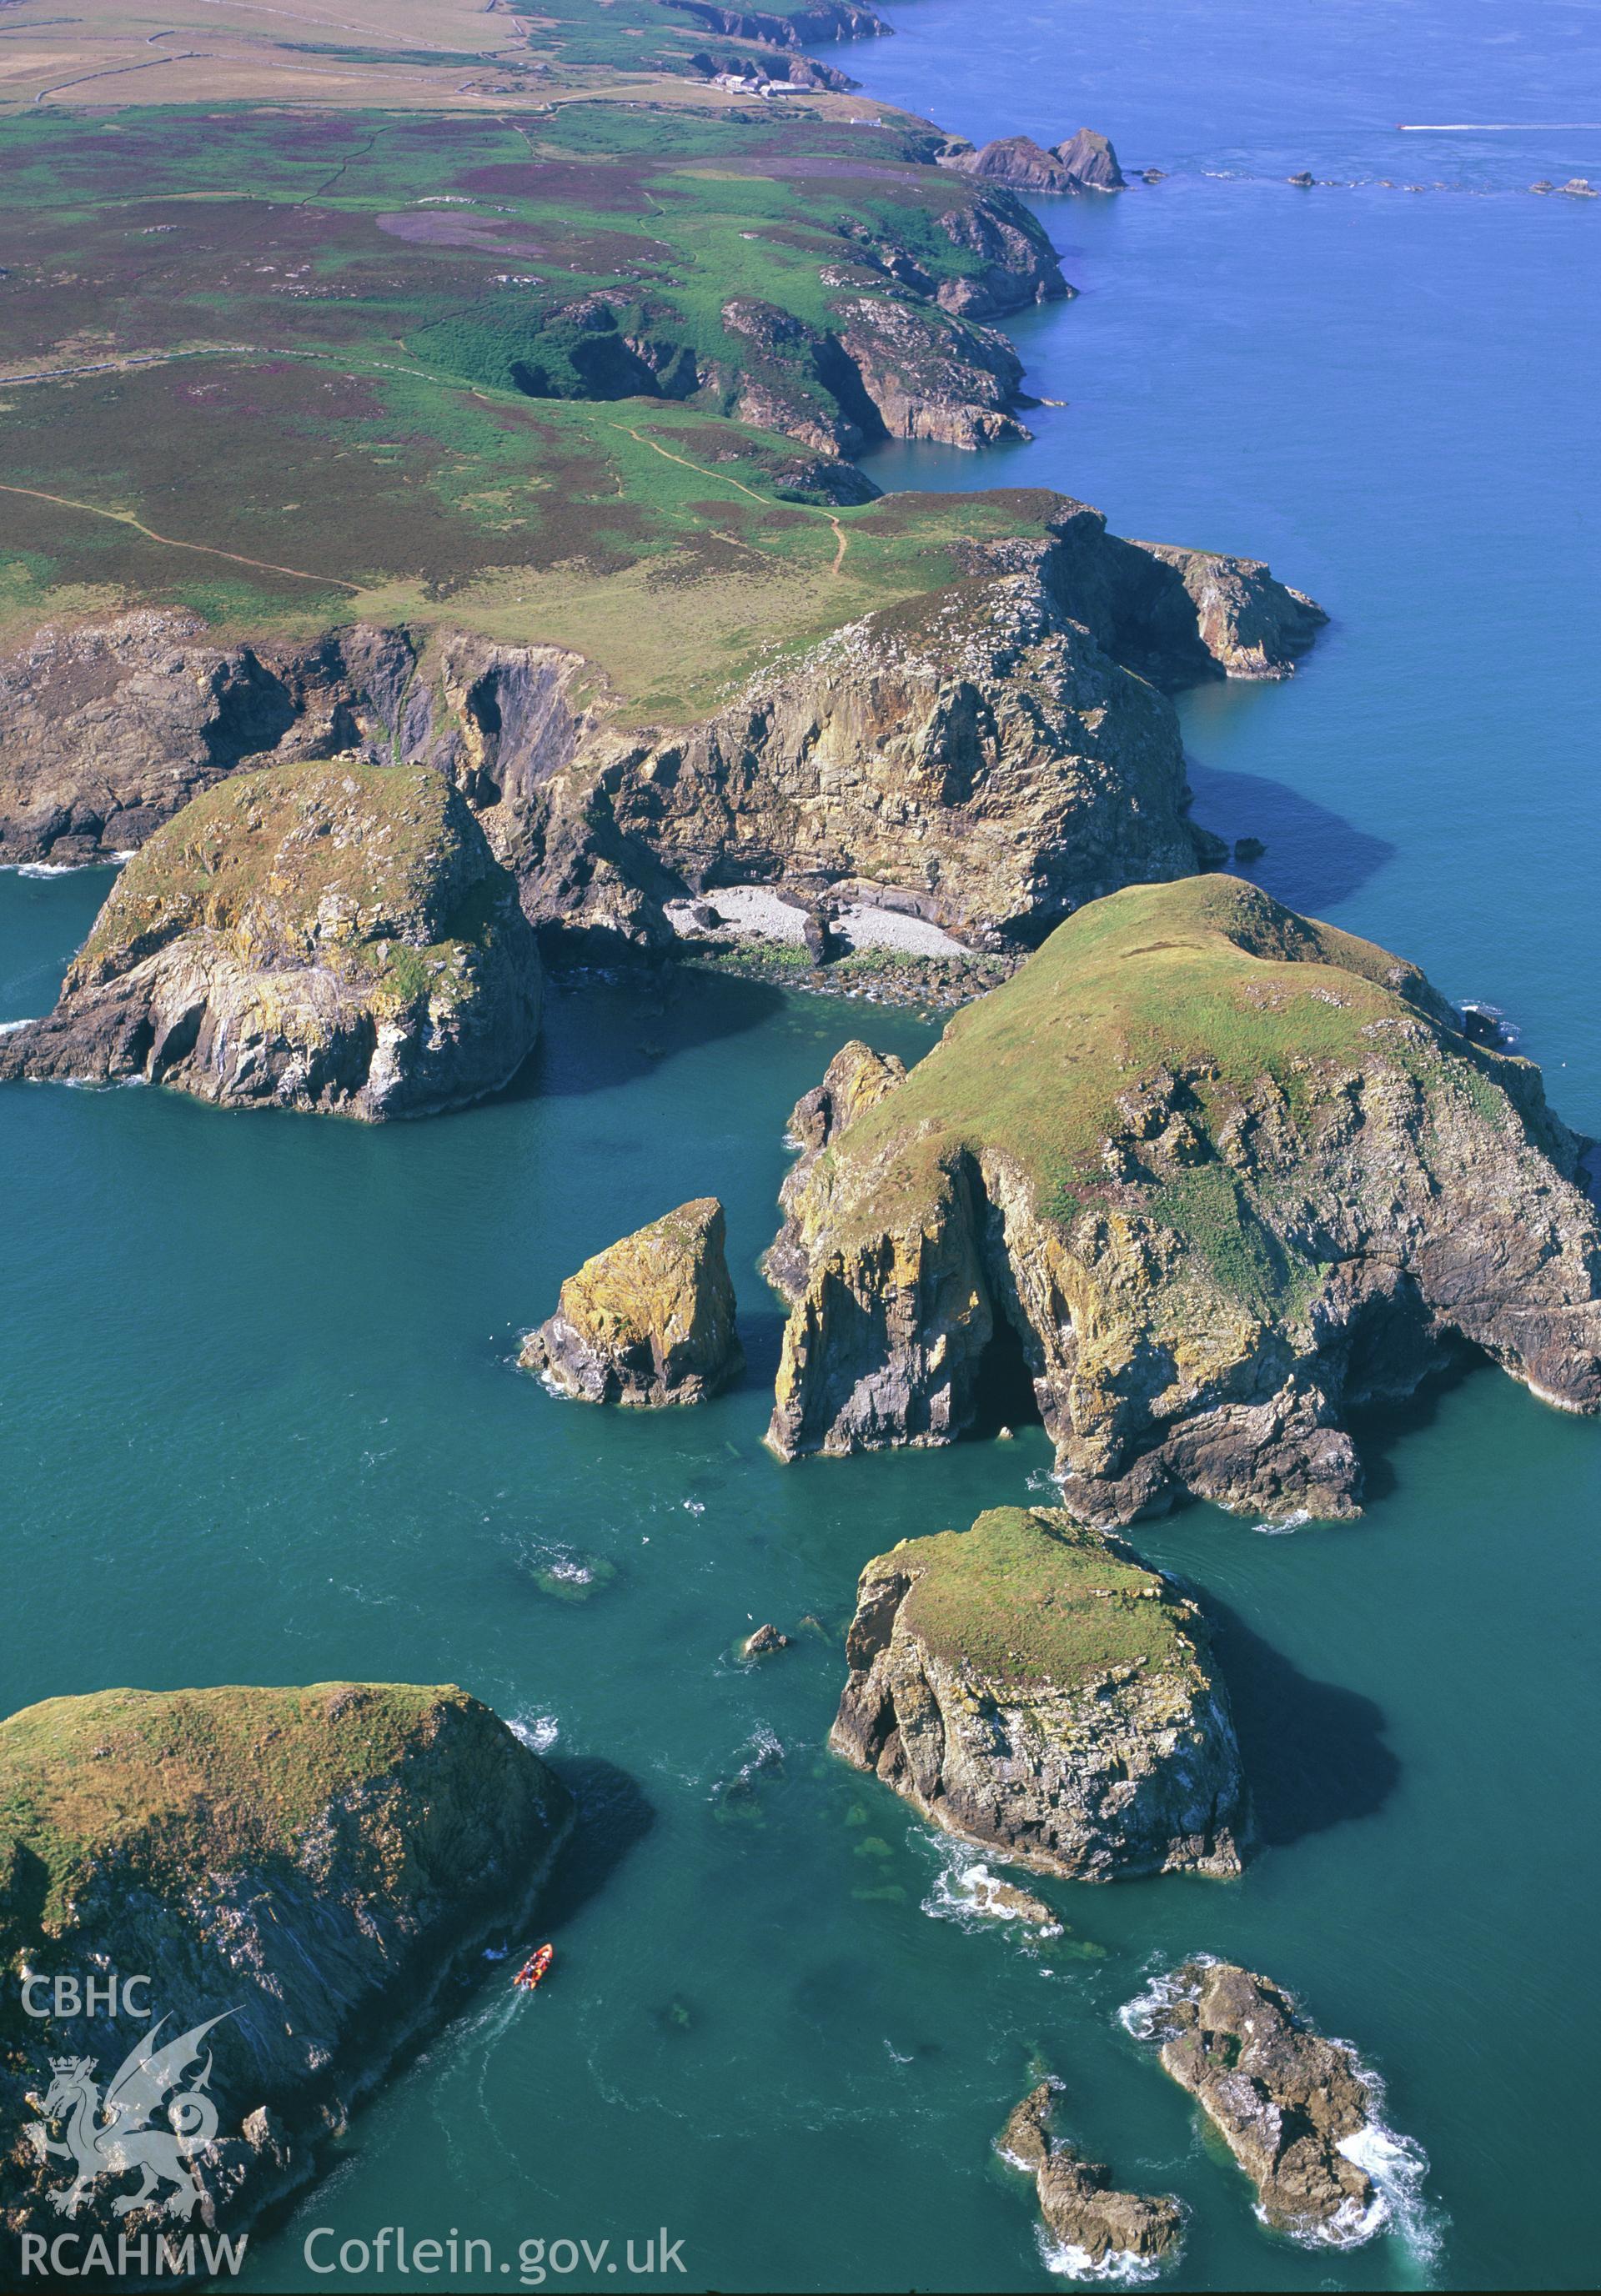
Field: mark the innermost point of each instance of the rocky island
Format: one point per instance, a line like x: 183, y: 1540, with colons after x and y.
x: 1105, y: 2233
x: 299, y: 1873
x: 1292, y: 2107
x: 1200, y: 1178
x: 335, y: 938
x: 1030, y: 1688
x: 647, y: 1321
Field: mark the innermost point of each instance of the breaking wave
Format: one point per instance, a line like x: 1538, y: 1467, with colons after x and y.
x: 538, y: 1732
x: 1119, y: 2265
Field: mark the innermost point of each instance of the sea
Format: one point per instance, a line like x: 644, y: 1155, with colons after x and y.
x: 261, y: 1422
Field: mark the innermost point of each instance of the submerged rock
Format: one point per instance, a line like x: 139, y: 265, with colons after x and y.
x: 298, y: 1872
x: 1288, y: 2102
x: 1099, y: 2226
x: 1207, y: 1175
x: 333, y: 938
x: 1030, y: 1687
x: 649, y: 1321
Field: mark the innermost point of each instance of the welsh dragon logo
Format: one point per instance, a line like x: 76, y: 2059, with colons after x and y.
x: 117, y: 2135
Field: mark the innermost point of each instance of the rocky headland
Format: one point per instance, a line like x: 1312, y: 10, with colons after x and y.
x: 647, y: 1321
x: 336, y: 937
x: 1031, y: 1688
x: 1292, y: 2107
x: 1104, y: 2231
x: 988, y: 754
x: 1199, y: 1179
x: 304, y: 1871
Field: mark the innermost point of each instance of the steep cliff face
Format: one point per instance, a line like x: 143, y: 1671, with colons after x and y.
x: 996, y: 749
x: 1221, y: 1175
x: 310, y: 1866
x: 1292, y: 2107
x: 335, y: 938
x: 649, y: 1321
x: 1030, y: 1688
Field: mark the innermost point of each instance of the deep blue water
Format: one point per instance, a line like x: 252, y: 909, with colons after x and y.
x: 258, y: 1420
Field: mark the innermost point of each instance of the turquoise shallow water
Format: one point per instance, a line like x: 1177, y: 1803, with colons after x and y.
x: 258, y: 1420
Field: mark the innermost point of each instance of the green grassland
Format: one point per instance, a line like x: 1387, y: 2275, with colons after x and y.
x: 1028, y: 1597
x: 1208, y: 983
x: 175, y: 1786
x: 288, y: 369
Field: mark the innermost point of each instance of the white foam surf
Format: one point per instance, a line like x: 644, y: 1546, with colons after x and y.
x: 538, y: 1732
x: 1118, y: 2265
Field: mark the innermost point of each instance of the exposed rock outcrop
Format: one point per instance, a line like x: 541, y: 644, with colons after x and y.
x: 1030, y: 1687
x: 976, y: 747
x: 1220, y: 1175
x: 991, y: 752
x: 649, y: 1321
x: 332, y: 938
x: 303, y: 1871
x: 1102, y: 2230
x: 928, y: 375
x: 1291, y: 2106
x: 1090, y: 160
x: 1018, y: 162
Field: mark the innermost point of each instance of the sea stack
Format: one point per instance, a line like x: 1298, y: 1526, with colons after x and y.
x: 1090, y: 160
x: 1030, y: 1688
x: 334, y: 938
x: 647, y: 1321
x: 1202, y: 1177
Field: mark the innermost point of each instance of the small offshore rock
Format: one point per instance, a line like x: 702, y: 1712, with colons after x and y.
x: 1082, y: 2212
x: 649, y: 1321
x: 1578, y: 187
x: 765, y: 1639
x: 1304, y: 180
x: 1153, y: 176
x: 1091, y: 161
x: 1286, y: 2102
x: 1248, y: 849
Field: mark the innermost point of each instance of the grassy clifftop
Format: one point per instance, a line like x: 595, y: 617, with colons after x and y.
x: 1029, y: 1597
x: 174, y: 1785
x: 1157, y: 1015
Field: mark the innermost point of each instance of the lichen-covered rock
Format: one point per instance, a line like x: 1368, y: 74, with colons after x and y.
x: 649, y: 1321
x: 1103, y: 2231
x: 312, y: 1867
x: 332, y: 937
x: 930, y: 374
x: 1220, y: 1174
x: 1291, y: 2106
x: 1030, y: 1687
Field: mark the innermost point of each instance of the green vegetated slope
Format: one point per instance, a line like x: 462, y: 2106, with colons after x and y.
x: 1028, y: 1596
x: 175, y: 1784
x: 1201, y: 995
x: 283, y: 369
